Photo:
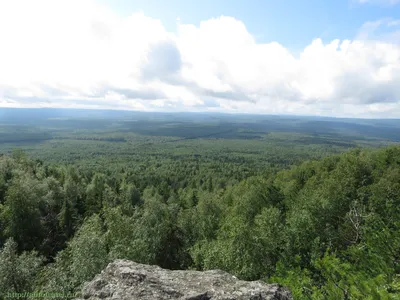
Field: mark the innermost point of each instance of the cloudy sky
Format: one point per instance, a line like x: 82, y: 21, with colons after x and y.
x: 311, y: 57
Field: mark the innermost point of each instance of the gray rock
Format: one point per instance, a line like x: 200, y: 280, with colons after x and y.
x: 129, y: 280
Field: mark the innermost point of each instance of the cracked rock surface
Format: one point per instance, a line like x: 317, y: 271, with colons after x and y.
x: 124, y: 279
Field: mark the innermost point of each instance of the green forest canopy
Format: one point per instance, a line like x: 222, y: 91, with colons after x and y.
x: 327, y: 228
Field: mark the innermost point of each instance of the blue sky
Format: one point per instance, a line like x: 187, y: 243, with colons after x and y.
x: 293, y: 23
x: 327, y: 58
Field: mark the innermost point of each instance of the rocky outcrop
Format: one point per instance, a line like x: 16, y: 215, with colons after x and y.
x: 129, y: 280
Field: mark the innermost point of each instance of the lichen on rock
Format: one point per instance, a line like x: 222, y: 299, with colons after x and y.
x: 125, y: 280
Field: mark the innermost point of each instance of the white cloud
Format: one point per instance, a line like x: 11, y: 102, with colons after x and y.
x: 383, y: 30
x: 79, y: 53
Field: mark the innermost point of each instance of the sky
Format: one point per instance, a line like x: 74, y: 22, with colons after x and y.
x: 329, y: 58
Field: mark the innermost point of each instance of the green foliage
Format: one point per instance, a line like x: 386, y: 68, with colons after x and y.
x: 327, y: 229
x: 88, y: 251
x: 21, y: 213
x: 17, y: 271
x: 247, y: 242
x: 297, y: 279
x: 95, y: 195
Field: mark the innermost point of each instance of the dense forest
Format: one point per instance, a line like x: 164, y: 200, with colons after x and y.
x: 327, y: 229
x: 313, y: 204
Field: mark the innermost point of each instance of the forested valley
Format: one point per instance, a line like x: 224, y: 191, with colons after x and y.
x: 287, y: 207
